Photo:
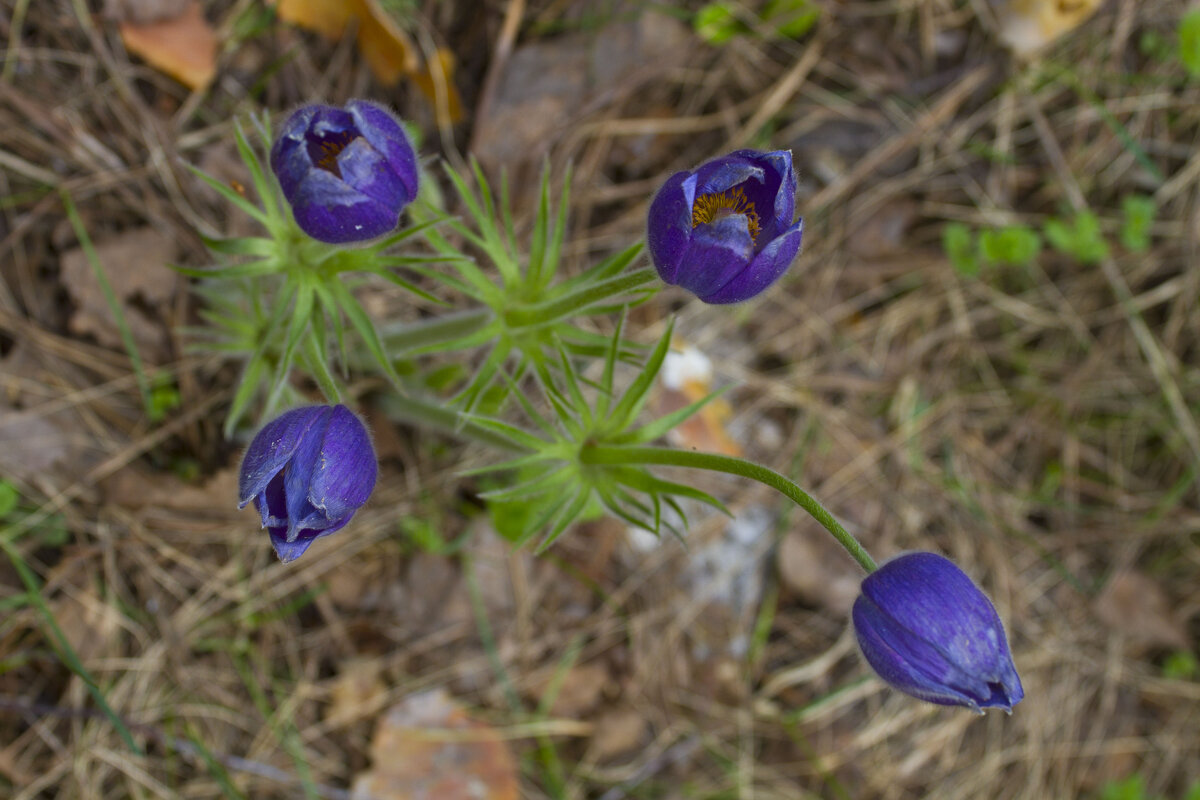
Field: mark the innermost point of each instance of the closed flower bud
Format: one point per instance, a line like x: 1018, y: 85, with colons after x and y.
x: 724, y: 231
x: 931, y: 633
x: 346, y: 172
x: 307, y: 471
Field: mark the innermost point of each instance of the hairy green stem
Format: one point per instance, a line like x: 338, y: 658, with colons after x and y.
x: 399, y: 339
x: 447, y: 420
x: 559, y: 307
x: 601, y: 454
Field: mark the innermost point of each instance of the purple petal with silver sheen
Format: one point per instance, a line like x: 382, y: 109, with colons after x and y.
x: 717, y: 253
x: 272, y: 447
x: 346, y: 475
x: 764, y: 270
x: 346, y: 173
x: 928, y: 631
x: 722, y: 174
x: 308, y: 472
x: 387, y: 135
x: 670, y: 224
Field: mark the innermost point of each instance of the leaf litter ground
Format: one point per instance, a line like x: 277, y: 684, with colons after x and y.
x: 1036, y: 422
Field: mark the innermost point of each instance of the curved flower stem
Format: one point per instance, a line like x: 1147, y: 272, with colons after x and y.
x: 620, y: 454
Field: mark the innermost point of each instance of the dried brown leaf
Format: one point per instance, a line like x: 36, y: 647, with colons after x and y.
x: 184, y: 47
x: 135, y: 263
x: 359, y: 686
x: 388, y: 49
x: 818, y: 571
x: 89, y: 624
x: 1134, y: 605
x: 618, y: 733
x: 429, y: 748
x: 580, y: 690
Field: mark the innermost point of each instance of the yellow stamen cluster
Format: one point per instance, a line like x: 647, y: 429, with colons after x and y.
x: 711, y: 207
x: 328, y: 149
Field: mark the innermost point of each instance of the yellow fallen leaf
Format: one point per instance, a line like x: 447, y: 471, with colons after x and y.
x: 387, y: 48
x: 1029, y: 25
x: 686, y: 378
x: 184, y: 47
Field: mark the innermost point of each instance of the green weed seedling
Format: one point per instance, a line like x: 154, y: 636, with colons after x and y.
x: 1189, y: 42
x: 791, y: 18
x: 1134, y: 788
x: 716, y: 23
x: 9, y: 497
x: 959, y: 246
x: 1137, y: 216
x: 719, y: 22
x: 1181, y: 665
x: 1010, y: 245
x: 1079, y: 237
x: 164, y: 397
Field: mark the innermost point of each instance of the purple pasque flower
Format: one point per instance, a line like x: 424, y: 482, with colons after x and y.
x: 927, y: 630
x: 346, y: 172
x: 307, y: 471
x: 724, y: 231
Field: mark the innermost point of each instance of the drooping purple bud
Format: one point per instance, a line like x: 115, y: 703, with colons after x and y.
x: 346, y: 172
x: 724, y: 231
x: 928, y: 631
x: 307, y: 471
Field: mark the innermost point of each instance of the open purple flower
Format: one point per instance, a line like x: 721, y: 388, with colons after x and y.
x: 931, y: 633
x: 724, y: 231
x: 307, y: 471
x: 347, y: 173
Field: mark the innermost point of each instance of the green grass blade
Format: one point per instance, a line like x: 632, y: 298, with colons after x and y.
x: 33, y: 589
x: 366, y: 328
x: 537, y: 243
x: 659, y: 427
x: 110, y: 298
x: 229, y: 194
x: 635, y: 397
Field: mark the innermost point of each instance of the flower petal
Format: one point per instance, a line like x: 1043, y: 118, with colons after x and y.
x: 365, y: 169
x: 774, y: 197
x: 330, y: 210
x: 346, y: 475
x: 907, y: 663
x: 271, y: 503
x: 299, y: 473
x: 765, y: 268
x: 927, y: 629
x: 929, y: 593
x: 669, y: 225
x: 387, y: 135
x: 289, y: 551
x: 272, y: 447
x: 289, y: 153
x: 346, y: 173
x: 718, y: 251
x: 726, y: 172
x: 329, y: 122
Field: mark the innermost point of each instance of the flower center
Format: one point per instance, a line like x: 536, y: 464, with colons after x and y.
x: 712, y: 207
x: 324, y: 149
